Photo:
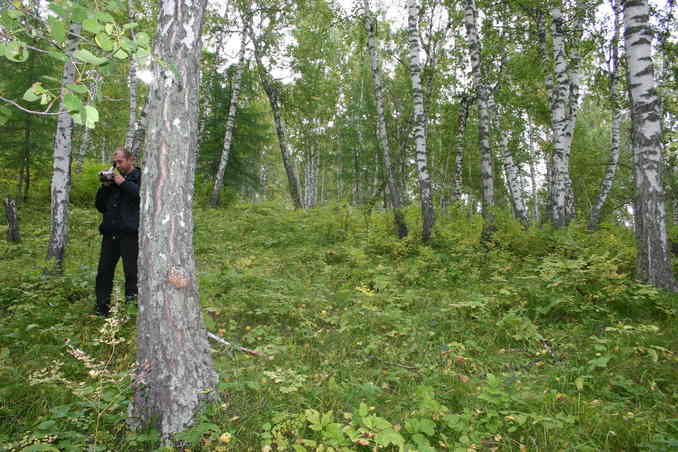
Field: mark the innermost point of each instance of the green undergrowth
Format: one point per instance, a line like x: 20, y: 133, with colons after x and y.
x: 539, y: 341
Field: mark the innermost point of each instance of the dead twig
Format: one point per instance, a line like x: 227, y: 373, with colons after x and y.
x: 237, y: 347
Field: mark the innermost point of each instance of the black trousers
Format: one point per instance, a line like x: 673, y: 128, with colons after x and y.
x: 113, y: 247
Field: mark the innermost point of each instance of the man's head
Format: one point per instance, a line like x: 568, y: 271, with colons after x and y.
x: 124, y: 160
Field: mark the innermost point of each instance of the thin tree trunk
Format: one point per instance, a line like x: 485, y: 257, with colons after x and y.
x: 13, y: 234
x: 174, y: 375
x: 486, y: 170
x: 513, y: 181
x: 61, y: 170
x: 274, y: 100
x: 548, y: 82
x: 459, y: 155
x: 533, y: 176
x: 425, y: 194
x: 86, y: 142
x: 611, y: 170
x: 653, y: 262
x: 389, y: 173
x: 138, y: 142
x: 230, y: 123
x: 133, y: 82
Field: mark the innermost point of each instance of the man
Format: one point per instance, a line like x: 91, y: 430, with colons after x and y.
x: 118, y: 201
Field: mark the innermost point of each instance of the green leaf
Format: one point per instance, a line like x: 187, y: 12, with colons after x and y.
x: 130, y: 26
x: 91, y: 116
x: 120, y: 54
x: 57, y: 28
x: 104, y: 41
x: 79, y: 13
x: 128, y: 45
x: 389, y: 437
x: 76, y: 88
x: 72, y: 103
x: 57, y: 56
x: 105, y: 17
x: 2, y: 49
x: 14, y: 13
x: 16, y: 51
x: 58, y: 10
x: 90, y: 24
x: 88, y: 57
x: 5, y: 114
x: 143, y: 39
x: 579, y: 383
x: 30, y: 95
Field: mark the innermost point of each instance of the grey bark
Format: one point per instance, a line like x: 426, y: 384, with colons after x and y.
x: 230, y: 123
x: 611, y: 170
x: 389, y: 173
x: 653, y: 261
x: 425, y: 193
x: 13, y: 234
x: 459, y: 154
x: 272, y: 92
x: 61, y: 169
x: 175, y: 375
x: 512, y: 176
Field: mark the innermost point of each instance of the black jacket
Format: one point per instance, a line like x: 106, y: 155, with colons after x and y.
x: 120, y: 205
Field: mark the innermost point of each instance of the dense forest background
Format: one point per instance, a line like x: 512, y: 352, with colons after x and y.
x: 435, y: 225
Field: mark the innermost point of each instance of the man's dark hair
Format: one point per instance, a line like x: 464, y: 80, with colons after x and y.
x: 125, y: 152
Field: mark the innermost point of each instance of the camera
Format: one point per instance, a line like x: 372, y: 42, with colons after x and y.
x: 107, y: 175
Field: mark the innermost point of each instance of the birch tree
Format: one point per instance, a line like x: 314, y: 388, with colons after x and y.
x: 486, y: 166
x: 86, y: 141
x: 564, y: 107
x: 174, y: 374
x: 653, y: 261
x: 230, y: 121
x: 382, y: 135
x: 272, y: 89
x: 615, y: 132
x: 426, y: 197
x: 61, y: 168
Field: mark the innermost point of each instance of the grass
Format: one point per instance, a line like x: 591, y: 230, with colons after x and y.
x: 541, y: 342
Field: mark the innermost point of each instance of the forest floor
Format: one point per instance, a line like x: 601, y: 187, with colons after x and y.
x: 539, y: 342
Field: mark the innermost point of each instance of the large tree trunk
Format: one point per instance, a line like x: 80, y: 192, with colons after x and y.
x: 61, y: 170
x: 486, y: 170
x: 425, y: 194
x: 175, y: 375
x: 563, y: 117
x: 230, y: 123
x: 611, y: 170
x: 653, y: 262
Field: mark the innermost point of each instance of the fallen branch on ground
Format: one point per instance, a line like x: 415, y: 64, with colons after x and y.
x: 249, y: 351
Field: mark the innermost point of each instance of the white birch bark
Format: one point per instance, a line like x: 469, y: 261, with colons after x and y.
x: 512, y: 177
x: 133, y: 82
x: 486, y: 170
x: 61, y: 169
x: 230, y: 123
x: 394, y: 192
x: 425, y: 193
x: 86, y: 141
x: 174, y: 374
x: 613, y: 163
x: 560, y: 121
x: 653, y: 262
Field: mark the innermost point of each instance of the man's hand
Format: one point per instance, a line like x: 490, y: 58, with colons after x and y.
x: 117, y: 178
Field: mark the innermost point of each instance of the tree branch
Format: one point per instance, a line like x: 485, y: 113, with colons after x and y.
x: 33, y: 112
